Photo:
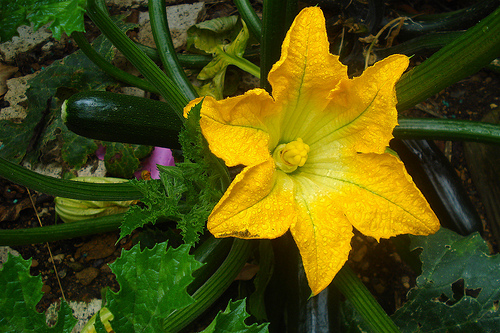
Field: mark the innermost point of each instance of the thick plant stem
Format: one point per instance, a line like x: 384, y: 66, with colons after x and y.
x: 470, y: 52
x: 447, y: 129
x: 273, y: 32
x: 250, y: 17
x: 141, y: 61
x: 57, y: 232
x: 166, y: 50
x: 67, y: 188
x: 103, y: 64
x: 355, y: 291
x: 210, y: 291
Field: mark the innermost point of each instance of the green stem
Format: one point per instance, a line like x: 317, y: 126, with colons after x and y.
x: 447, y: 129
x: 166, y: 87
x: 242, y: 63
x: 273, y: 32
x: 103, y: 64
x: 166, y: 50
x: 470, y: 52
x: 211, y: 290
x: 355, y: 291
x: 11, y: 237
x: 250, y: 17
x: 67, y: 188
x: 428, y: 42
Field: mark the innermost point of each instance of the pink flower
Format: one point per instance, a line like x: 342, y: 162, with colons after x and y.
x: 161, y: 156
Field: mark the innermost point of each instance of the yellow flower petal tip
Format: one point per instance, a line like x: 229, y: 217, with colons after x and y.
x: 314, y: 155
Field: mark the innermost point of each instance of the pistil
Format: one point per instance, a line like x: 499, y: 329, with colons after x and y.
x: 290, y: 156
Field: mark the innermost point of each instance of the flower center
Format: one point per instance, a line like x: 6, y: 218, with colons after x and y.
x: 289, y: 156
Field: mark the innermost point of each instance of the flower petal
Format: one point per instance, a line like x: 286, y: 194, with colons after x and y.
x: 361, y: 114
x: 305, y: 74
x: 322, y: 234
x: 258, y: 204
x: 238, y: 129
x: 376, y: 195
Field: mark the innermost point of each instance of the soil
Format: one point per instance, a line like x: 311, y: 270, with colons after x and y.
x: 83, y: 263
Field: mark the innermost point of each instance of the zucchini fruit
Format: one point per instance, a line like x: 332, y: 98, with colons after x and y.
x: 122, y: 118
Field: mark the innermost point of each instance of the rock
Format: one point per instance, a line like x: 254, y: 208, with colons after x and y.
x: 76, y: 266
x: 406, y: 281
x: 82, y: 311
x: 106, y: 269
x: 57, y: 258
x: 94, y: 168
x: 4, y: 254
x: 62, y: 273
x: 87, y: 275
x: 16, y: 96
x: 27, y: 40
x: 379, y: 288
x: 46, y: 289
x: 128, y: 3
x: 360, y: 253
x: 99, y: 247
x: 180, y: 19
x: 5, y: 73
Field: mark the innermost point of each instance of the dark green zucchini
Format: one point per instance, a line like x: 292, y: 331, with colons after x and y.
x: 115, y: 117
x: 440, y: 184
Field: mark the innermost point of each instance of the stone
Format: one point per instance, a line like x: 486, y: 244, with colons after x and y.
x: 180, y: 19
x: 4, y: 254
x: 101, y: 246
x: 27, y: 40
x: 16, y: 96
x: 87, y: 275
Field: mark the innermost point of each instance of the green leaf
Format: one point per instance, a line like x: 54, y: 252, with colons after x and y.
x: 217, y: 37
x: 19, y: 296
x: 186, y: 197
x: 233, y: 320
x: 66, y: 16
x: 208, y: 35
x: 195, y: 149
x: 191, y: 182
x: 458, y: 290
x: 122, y: 159
x: 225, y: 54
x: 152, y: 285
x: 189, y: 190
x: 75, y: 72
x: 76, y: 149
x: 157, y: 204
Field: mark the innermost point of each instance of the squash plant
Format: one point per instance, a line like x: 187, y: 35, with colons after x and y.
x: 166, y: 288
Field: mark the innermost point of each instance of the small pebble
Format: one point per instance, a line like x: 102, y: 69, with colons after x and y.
x: 379, y: 288
x: 57, y: 258
x: 105, y: 269
x: 97, y: 263
x: 406, y: 281
x: 62, y: 273
x: 87, y: 275
x: 34, y: 263
x: 360, y: 254
x: 45, y: 289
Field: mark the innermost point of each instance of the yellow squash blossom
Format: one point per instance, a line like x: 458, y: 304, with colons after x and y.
x: 314, y: 155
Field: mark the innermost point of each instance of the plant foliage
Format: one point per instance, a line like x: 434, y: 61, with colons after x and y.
x: 65, y: 15
x: 458, y: 290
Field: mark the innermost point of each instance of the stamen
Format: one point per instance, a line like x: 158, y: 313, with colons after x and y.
x: 291, y: 155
